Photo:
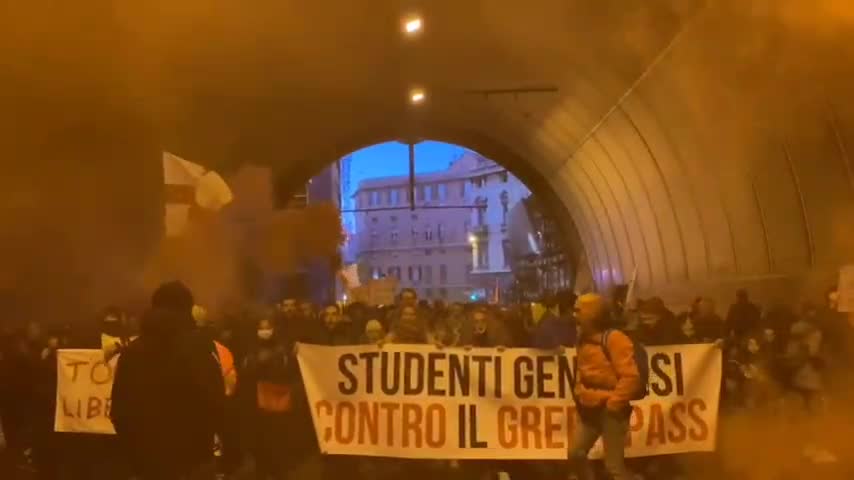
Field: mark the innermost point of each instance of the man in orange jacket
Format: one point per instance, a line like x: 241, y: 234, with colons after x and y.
x: 603, y: 388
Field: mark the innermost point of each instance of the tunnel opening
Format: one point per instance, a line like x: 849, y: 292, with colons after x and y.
x: 460, y: 209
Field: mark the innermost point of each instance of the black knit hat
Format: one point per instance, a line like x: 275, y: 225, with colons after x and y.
x: 175, y: 297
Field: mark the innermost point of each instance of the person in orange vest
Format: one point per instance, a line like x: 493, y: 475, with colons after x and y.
x: 223, y: 355
x: 226, y: 365
x: 608, y: 379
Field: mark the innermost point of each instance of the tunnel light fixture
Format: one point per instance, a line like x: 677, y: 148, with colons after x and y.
x: 417, y: 96
x: 413, y: 25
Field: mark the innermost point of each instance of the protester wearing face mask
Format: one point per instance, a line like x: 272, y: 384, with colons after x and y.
x: 268, y: 375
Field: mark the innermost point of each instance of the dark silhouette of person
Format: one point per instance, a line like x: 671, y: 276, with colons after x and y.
x: 168, y: 394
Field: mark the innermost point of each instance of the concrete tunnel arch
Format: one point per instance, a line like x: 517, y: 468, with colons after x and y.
x: 707, y: 143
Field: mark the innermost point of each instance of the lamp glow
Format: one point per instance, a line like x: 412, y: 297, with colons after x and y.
x: 413, y: 25
x: 417, y: 96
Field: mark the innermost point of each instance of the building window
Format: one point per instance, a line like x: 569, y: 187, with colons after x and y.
x: 409, y: 270
x: 414, y: 232
x: 428, y: 193
x: 374, y: 219
x: 375, y: 198
x: 505, y: 202
x: 503, y: 176
x: 443, y: 274
x: 394, y: 272
x: 428, y: 274
x: 374, y: 238
x: 415, y: 274
x: 463, y: 189
x: 481, y: 204
x: 483, y: 256
x: 394, y: 196
x: 440, y: 232
x: 428, y: 234
x: 505, y: 245
x: 443, y: 192
x: 393, y: 219
x: 394, y: 236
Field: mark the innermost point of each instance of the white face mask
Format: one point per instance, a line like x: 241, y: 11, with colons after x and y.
x: 265, y: 334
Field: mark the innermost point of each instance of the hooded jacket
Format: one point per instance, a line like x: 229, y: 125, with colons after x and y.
x: 603, y: 382
x: 168, y: 396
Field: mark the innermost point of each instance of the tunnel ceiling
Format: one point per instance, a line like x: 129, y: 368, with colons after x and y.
x: 697, y: 141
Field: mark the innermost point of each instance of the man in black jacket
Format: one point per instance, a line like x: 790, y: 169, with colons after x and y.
x: 168, y: 395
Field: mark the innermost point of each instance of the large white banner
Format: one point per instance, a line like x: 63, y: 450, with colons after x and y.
x: 415, y: 401
x: 84, y: 384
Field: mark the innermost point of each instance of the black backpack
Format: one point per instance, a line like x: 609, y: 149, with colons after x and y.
x: 641, y: 360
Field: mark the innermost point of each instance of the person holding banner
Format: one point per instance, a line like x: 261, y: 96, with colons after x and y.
x: 608, y: 378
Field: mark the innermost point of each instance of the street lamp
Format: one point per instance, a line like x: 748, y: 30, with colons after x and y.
x: 417, y: 95
x: 413, y: 25
x: 472, y: 239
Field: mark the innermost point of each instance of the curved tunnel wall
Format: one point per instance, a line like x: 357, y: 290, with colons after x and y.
x: 728, y: 161
x: 728, y: 164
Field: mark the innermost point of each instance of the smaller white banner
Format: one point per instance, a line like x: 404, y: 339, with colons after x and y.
x: 84, y: 384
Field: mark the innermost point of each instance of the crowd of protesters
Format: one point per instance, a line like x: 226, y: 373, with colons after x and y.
x: 185, y: 378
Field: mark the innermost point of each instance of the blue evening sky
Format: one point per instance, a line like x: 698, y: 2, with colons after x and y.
x: 392, y: 159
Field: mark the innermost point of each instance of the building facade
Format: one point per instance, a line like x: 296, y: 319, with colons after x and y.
x: 493, y: 192
x: 425, y: 248
x: 453, y: 245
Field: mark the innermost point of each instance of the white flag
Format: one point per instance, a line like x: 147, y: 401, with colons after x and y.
x: 192, y: 184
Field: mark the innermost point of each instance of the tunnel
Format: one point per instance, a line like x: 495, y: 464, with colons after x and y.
x: 705, y: 145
